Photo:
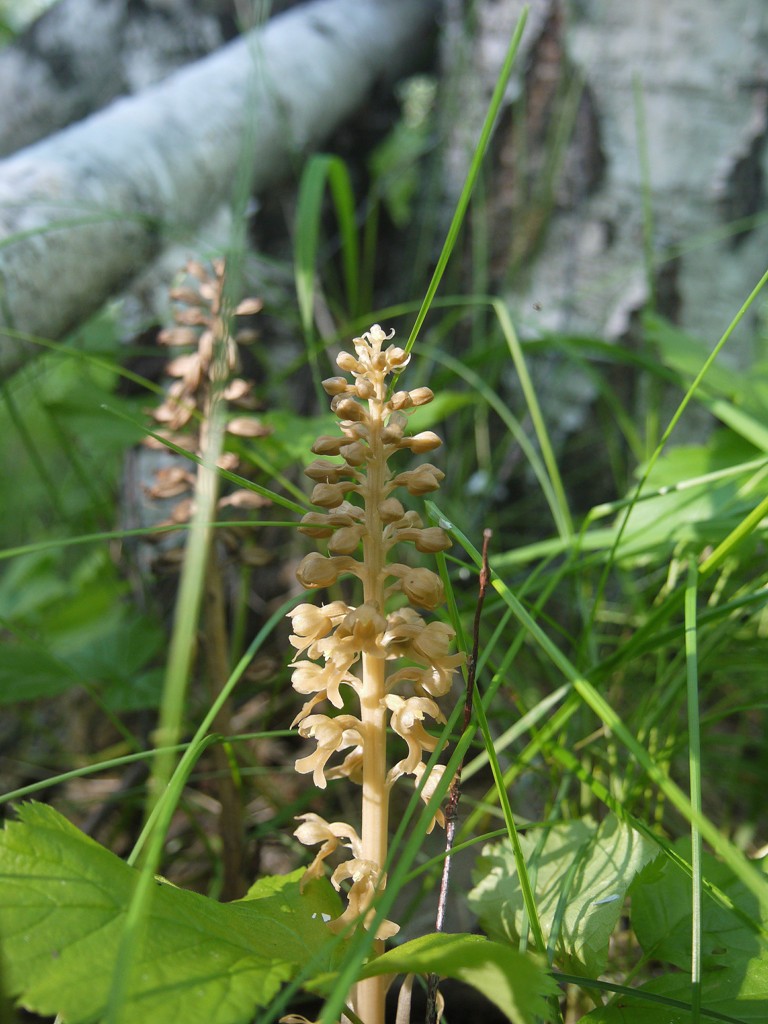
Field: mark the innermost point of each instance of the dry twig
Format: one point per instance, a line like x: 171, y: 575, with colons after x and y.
x: 452, y: 807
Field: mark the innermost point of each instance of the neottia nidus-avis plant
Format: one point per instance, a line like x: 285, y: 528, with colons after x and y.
x: 397, y: 663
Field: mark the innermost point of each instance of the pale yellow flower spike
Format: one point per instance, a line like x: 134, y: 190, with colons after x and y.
x: 341, y: 648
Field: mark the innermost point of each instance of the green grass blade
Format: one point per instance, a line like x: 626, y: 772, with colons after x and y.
x: 563, y: 519
x: 124, y: 759
x: 61, y: 349
x: 675, y: 419
x: 223, y: 474
x: 323, y: 170
x: 650, y: 997
x: 320, y: 172
x: 156, y: 827
x: 189, y: 598
x: 522, y: 869
x: 747, y: 526
x: 36, y: 458
x: 167, y: 803
x: 469, y: 184
x: 525, y: 723
x: 739, y: 864
x: 191, y: 584
x: 694, y: 762
x: 182, y: 646
x: 140, y: 531
x: 495, y: 402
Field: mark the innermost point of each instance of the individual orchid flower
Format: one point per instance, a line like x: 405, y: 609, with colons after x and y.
x: 427, y: 791
x: 407, y: 717
x: 332, y: 734
x: 366, y: 878
x: 312, y: 623
x: 315, y: 830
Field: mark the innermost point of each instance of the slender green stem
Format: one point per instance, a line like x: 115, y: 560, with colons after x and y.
x: 469, y: 184
x: 694, y: 761
x: 526, y: 888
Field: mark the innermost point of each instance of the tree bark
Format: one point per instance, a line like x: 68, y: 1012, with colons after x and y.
x: 84, y: 210
x: 80, y: 55
x: 572, y: 243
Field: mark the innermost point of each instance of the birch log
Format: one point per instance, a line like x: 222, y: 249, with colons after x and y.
x: 80, y: 55
x: 84, y: 210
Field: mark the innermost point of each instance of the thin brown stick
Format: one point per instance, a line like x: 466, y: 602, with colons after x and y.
x: 452, y: 807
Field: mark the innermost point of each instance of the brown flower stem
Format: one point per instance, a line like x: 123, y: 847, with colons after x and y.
x: 369, y: 995
x: 452, y: 807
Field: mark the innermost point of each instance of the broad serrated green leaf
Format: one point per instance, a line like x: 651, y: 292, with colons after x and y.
x: 519, y: 985
x: 581, y: 876
x: 63, y: 901
x: 661, y: 914
x: 738, y: 996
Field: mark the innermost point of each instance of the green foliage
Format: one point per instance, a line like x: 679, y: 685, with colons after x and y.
x: 65, y: 433
x: 27, y: 672
x: 517, y: 984
x: 581, y: 873
x: 731, y: 920
x: 323, y: 170
x: 694, y: 493
x: 66, y: 613
x: 733, y: 998
x: 738, y: 400
x: 291, y: 436
x: 396, y: 163
x: 69, y: 624
x: 63, y: 902
x: 445, y: 404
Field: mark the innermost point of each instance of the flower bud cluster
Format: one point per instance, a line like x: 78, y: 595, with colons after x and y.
x: 206, y: 356
x: 202, y: 328
x: 382, y: 653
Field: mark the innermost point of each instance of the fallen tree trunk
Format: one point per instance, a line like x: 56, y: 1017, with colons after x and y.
x: 80, y: 55
x: 82, y: 211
